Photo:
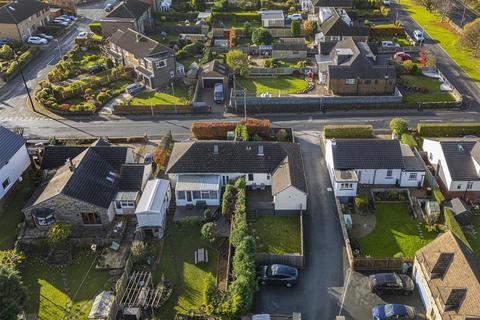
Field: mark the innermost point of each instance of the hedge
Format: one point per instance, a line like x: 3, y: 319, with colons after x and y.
x: 348, y: 131
x: 453, y: 226
x: 236, y: 16
x: 447, y: 129
x: 387, y: 31
x: 219, y: 130
x: 438, y: 195
x: 96, y: 28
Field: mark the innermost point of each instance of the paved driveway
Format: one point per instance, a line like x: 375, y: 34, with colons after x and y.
x: 314, y: 296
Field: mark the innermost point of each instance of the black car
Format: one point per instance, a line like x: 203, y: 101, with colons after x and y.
x: 96, y: 68
x: 277, y: 274
x: 383, y: 283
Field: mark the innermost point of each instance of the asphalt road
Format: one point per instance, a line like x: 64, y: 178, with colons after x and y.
x: 323, y: 252
x: 458, y: 10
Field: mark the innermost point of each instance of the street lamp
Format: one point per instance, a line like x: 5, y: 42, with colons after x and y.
x: 16, y: 58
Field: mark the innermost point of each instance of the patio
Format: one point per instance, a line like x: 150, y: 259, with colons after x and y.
x: 260, y: 200
x: 195, y: 212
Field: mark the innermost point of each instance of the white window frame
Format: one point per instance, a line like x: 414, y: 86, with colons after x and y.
x: 350, y: 81
x: 157, y: 64
x: 412, y: 176
x: 8, y: 181
x: 127, y: 204
x: 389, y: 174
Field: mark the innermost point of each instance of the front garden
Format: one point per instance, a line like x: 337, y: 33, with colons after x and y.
x: 418, y: 88
x: 179, y: 95
x: 277, y: 234
x: 8, y: 64
x: 273, y: 85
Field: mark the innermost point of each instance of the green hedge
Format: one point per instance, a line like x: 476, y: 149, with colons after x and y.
x: 438, y: 195
x: 96, y: 28
x: 348, y: 131
x: 236, y: 16
x: 453, y: 226
x: 448, y: 129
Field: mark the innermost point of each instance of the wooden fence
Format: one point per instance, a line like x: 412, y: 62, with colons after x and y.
x: 381, y: 264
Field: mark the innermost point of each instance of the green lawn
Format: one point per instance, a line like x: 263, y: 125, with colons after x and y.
x: 11, y: 215
x: 434, y: 93
x: 156, y: 98
x: 409, y: 140
x: 474, y: 240
x: 177, y: 264
x: 283, y: 84
x: 277, y: 234
x: 85, y: 59
x: 447, y: 39
x: 50, y: 295
x: 395, y: 233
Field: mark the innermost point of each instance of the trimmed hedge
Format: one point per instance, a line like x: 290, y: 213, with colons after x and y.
x: 96, y: 28
x: 447, y: 129
x: 218, y: 130
x: 453, y: 226
x: 438, y: 195
x: 387, y: 31
x: 348, y: 131
x: 236, y: 16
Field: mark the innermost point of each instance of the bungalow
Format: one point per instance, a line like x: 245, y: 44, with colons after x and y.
x: 457, y: 166
x: 88, y: 190
x: 199, y: 170
x: 289, y: 50
x: 272, y: 18
x: 152, y: 208
x: 335, y: 24
x: 446, y: 273
x: 131, y: 14
x: 21, y: 19
x: 351, y: 68
x: 213, y: 72
x: 351, y: 162
x: 14, y: 159
x: 153, y: 62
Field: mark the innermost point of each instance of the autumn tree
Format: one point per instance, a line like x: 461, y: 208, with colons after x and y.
x: 238, y: 61
x: 309, y: 27
x: 471, y: 37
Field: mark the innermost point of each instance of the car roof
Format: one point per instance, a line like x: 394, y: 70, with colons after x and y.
x: 283, y: 269
x: 385, y: 277
x: 395, y: 309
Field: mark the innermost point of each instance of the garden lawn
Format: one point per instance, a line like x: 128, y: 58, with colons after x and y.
x: 434, y: 93
x: 283, y: 84
x: 446, y: 38
x: 474, y: 240
x: 395, y: 233
x: 158, y: 98
x: 177, y: 264
x: 88, y: 58
x: 48, y: 294
x: 277, y: 234
x: 11, y: 215
x: 409, y: 140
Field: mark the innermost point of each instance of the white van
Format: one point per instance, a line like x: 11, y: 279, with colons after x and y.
x: 218, y: 95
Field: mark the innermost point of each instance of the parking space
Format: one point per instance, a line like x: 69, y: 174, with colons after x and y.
x: 94, y: 11
x: 359, y: 301
x: 206, y: 95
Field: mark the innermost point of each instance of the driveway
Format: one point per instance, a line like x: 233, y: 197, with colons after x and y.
x: 359, y: 301
x: 314, y: 296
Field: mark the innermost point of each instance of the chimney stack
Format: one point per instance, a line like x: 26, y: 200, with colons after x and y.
x: 334, y: 143
x: 215, y: 149
x: 260, y: 151
x: 71, y: 166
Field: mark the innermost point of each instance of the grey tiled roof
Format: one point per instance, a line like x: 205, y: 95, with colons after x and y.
x: 131, y: 9
x: 367, y: 154
x: 131, y: 177
x: 10, y: 143
x: 138, y: 44
x: 290, y: 46
x: 56, y: 156
x: 335, y: 26
x: 459, y: 159
x: 215, y: 66
x: 23, y: 9
x: 241, y: 157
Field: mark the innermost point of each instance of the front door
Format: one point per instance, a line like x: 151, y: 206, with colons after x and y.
x: 189, y: 196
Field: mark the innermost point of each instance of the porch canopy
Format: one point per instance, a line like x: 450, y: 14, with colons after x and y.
x: 202, y: 187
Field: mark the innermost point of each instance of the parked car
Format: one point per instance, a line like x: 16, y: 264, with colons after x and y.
x: 109, y: 7
x: 96, y: 68
x: 294, y: 17
x: 402, y: 56
x: 71, y: 18
x: 134, y: 88
x: 60, y: 22
x: 277, y: 274
x: 389, y: 44
x: 218, y: 95
x: 148, y: 158
x: 84, y: 35
x: 45, y: 36
x: 393, y: 311
x: 5, y: 41
x: 37, y: 40
x: 387, y: 3
x: 418, y: 35
x: 382, y: 283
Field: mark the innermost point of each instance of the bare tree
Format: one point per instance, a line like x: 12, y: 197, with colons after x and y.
x: 471, y: 37
x: 428, y: 4
x: 443, y: 8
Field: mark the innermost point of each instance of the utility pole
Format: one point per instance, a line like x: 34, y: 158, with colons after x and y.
x: 463, y: 14
x: 16, y: 58
x: 245, y: 103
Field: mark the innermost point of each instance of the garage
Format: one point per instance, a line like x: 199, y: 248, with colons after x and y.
x: 210, y: 82
x: 213, y: 72
x: 421, y: 288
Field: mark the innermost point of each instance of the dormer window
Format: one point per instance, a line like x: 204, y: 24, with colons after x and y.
x: 160, y: 64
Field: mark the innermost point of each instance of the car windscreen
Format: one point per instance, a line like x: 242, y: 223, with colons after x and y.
x: 394, y: 310
x: 281, y: 270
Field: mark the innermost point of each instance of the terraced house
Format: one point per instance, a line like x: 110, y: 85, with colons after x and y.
x: 20, y: 19
x: 153, y: 62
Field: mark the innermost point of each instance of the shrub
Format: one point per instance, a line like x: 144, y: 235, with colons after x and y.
x: 6, y: 52
x: 398, y: 126
x: 194, y: 48
x: 12, y: 68
x: 11, y: 258
x: 379, y: 31
x: 295, y: 27
x: 96, y: 28
x: 103, y: 97
x: 58, y: 233
x: 361, y: 203
x: 261, y: 36
x: 348, y: 131
x: 207, y: 215
x: 448, y: 129
x: 180, y: 54
x: 138, y: 251
x: 208, y: 232
x: 438, y: 195
x: 219, y: 130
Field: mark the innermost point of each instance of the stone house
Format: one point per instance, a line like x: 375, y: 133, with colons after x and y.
x: 129, y: 14
x: 350, y: 68
x: 335, y: 25
x: 89, y: 190
x: 24, y: 17
x: 153, y: 62
x: 447, y: 275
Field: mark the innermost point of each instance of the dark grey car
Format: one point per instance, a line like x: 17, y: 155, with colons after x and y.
x: 390, y: 283
x: 278, y: 274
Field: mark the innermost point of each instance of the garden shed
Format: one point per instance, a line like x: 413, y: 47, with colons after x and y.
x: 103, y: 307
x: 460, y: 211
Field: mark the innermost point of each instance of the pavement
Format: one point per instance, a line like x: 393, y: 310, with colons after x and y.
x: 323, y: 252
